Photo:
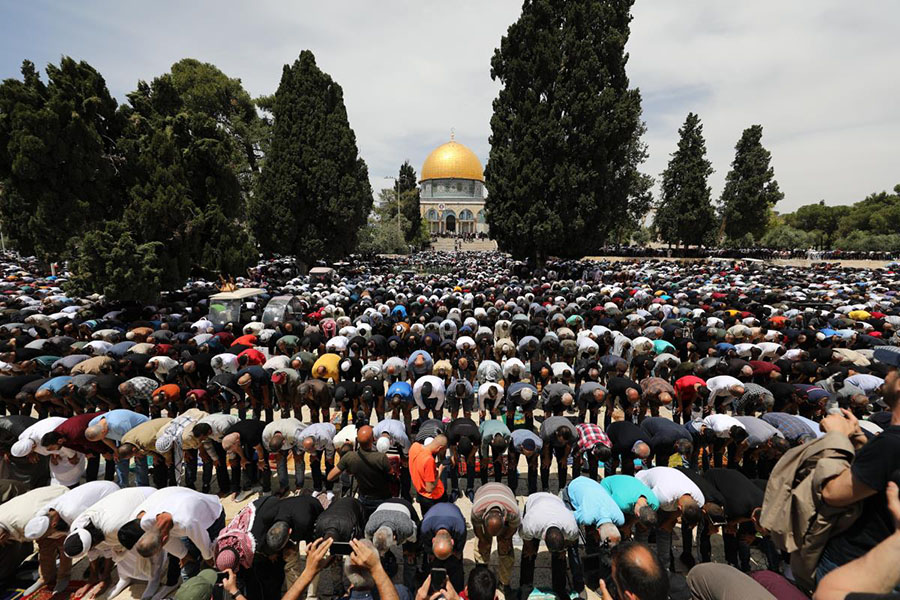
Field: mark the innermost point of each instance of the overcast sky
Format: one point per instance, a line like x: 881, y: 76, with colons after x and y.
x: 820, y: 76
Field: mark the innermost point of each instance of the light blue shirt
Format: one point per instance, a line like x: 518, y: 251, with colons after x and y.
x: 120, y: 422
x: 592, y: 503
x: 627, y: 490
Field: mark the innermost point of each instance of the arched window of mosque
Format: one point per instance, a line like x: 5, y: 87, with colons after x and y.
x: 466, y: 215
x: 432, y: 215
x: 459, y: 186
x: 471, y: 188
x: 481, y: 216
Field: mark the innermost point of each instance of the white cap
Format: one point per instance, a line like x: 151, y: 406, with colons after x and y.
x: 37, y: 527
x: 383, y: 444
x: 22, y: 448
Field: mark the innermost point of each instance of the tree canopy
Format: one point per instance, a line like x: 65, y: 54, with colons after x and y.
x: 59, y: 157
x: 685, y: 214
x: 314, y: 192
x: 562, y: 175
x: 870, y: 224
x: 751, y: 190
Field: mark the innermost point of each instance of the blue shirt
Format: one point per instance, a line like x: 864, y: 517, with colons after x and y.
x: 445, y: 515
x: 627, y: 490
x: 400, y: 388
x: 56, y: 384
x: 592, y: 503
x: 520, y: 435
x: 120, y: 422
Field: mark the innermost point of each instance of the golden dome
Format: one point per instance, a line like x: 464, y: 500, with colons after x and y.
x: 452, y: 161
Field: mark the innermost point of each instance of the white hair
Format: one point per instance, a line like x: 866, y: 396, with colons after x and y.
x: 383, y: 539
x: 359, y: 577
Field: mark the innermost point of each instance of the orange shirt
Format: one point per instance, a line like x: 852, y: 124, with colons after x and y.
x: 422, y: 470
x: 170, y: 391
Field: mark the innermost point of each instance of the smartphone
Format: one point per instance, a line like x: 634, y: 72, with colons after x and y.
x: 341, y: 548
x: 221, y: 577
x: 438, y: 577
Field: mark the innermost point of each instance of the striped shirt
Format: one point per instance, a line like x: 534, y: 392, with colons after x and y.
x: 491, y: 495
x: 429, y: 429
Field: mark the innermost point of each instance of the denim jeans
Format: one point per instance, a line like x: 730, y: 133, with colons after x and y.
x: 141, y: 472
x: 299, y: 468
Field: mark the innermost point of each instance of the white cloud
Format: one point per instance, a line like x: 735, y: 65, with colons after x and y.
x: 817, y: 74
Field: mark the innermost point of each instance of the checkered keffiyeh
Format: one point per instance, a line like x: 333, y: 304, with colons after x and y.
x: 589, y: 435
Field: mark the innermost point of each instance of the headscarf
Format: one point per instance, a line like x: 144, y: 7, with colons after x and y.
x: 235, y: 545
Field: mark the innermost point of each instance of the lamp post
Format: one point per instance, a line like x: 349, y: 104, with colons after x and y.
x: 397, y: 190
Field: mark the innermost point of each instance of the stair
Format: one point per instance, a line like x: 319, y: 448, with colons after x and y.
x: 446, y: 245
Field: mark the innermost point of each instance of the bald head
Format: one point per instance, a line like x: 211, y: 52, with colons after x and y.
x: 309, y: 444
x: 493, y: 522
x: 365, y: 436
x: 438, y: 443
x: 636, y: 570
x: 442, y: 545
x: 641, y: 450
x: 149, y: 544
x: 96, y: 432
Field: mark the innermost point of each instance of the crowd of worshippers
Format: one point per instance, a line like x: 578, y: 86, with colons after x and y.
x: 628, y: 424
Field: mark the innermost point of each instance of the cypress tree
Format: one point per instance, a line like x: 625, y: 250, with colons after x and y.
x: 314, y: 192
x: 685, y: 213
x: 751, y: 190
x: 562, y: 175
x: 409, y: 202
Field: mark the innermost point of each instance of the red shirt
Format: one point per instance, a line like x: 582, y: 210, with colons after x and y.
x: 73, y: 430
x: 245, y: 340
x: 254, y: 356
x: 684, y: 387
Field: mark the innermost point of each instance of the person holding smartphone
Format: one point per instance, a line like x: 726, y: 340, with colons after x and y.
x: 318, y: 556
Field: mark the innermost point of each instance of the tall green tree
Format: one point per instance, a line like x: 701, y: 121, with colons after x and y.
x: 751, y: 190
x: 685, y: 214
x: 184, y: 200
x: 407, y: 184
x: 314, y: 192
x: 59, y: 160
x: 203, y: 88
x: 566, y: 130
x: 185, y: 181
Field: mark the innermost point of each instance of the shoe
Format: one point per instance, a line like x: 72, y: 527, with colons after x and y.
x: 454, y: 495
x: 204, y: 489
x: 470, y: 494
x: 245, y: 495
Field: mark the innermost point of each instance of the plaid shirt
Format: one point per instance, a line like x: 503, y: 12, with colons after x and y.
x: 789, y: 425
x: 754, y: 395
x: 589, y: 435
x: 140, y: 389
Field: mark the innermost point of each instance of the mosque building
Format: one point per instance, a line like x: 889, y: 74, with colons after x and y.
x: 451, y: 188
